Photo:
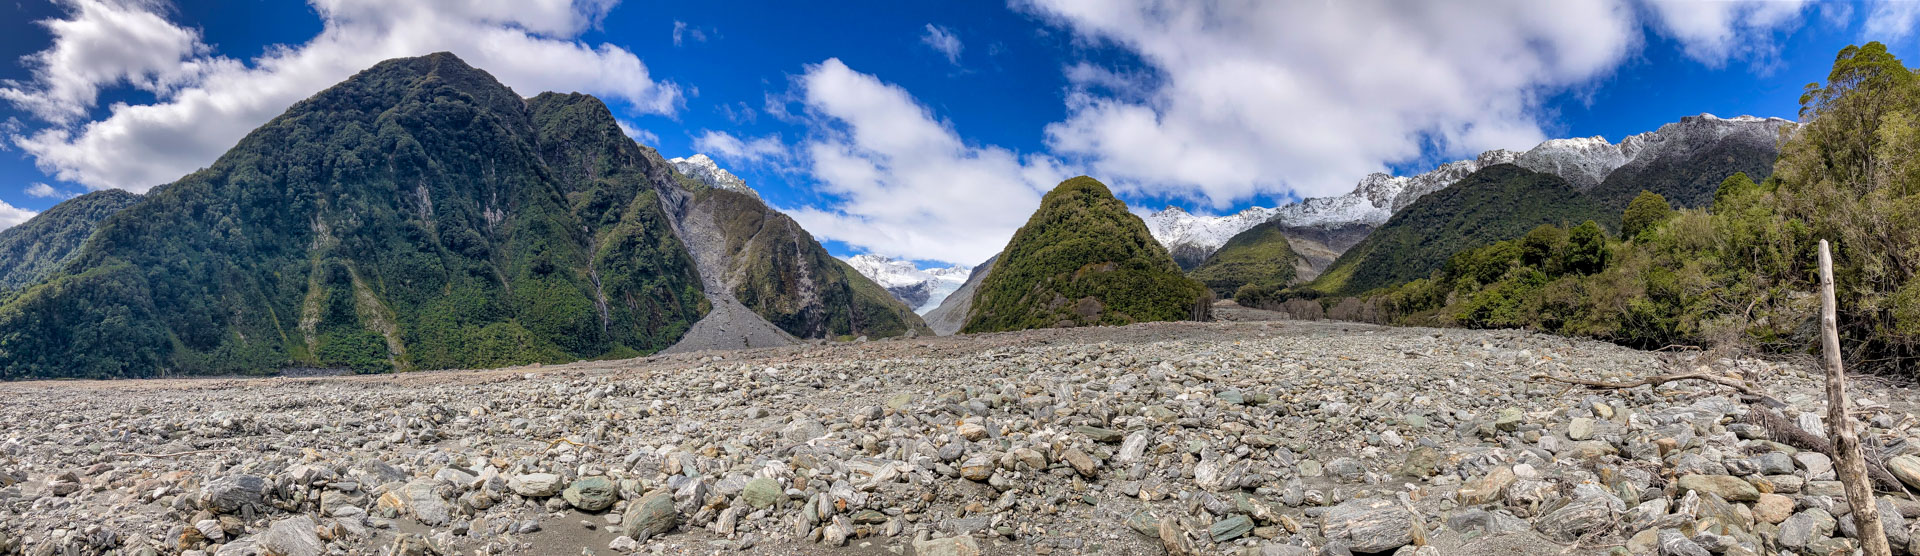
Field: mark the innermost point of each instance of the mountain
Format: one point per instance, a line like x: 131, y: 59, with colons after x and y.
x: 704, y: 170
x: 1496, y: 203
x: 921, y: 289
x: 760, y: 258
x: 948, y: 318
x: 1584, y: 162
x: 421, y: 215
x: 1082, y: 259
x: 1262, y: 255
x: 1190, y: 238
x: 36, y: 248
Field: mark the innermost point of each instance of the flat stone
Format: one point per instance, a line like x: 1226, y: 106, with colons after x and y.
x: 535, y: 485
x: 1806, y: 527
x: 1581, y: 428
x: 1772, y: 508
x: 1731, y: 488
x: 591, y: 494
x: 1369, y: 524
x: 1106, y: 436
x: 229, y: 494
x: 293, y: 536
x: 1081, y: 462
x: 1230, y: 528
x: 950, y: 546
x: 1584, y: 514
x: 1906, y: 468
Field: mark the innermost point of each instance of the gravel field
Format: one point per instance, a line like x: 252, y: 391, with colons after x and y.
x: 1241, y: 436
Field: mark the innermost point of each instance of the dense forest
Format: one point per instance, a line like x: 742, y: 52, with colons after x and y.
x: 1083, y: 260
x: 33, y: 250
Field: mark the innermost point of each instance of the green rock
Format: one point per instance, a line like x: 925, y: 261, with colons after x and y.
x: 1098, y: 434
x: 1508, y: 420
x: 1230, y: 528
x: 591, y: 494
x: 899, y: 401
x: 1145, y: 523
x: 1158, y: 413
x: 1731, y: 488
x: 651, y: 515
x: 869, y: 517
x: 762, y: 493
x: 1232, y: 396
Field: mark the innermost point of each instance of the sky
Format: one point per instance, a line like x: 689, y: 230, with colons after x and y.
x: 930, y: 130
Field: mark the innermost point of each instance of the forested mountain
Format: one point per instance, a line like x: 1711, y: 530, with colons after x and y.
x: 1496, y: 203
x: 1083, y: 260
x: 419, y: 215
x: 1261, y: 256
x: 35, y: 248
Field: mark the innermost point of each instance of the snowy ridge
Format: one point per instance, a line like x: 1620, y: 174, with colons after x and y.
x: 701, y: 168
x: 1174, y: 226
x: 1582, y: 161
x: 923, y: 290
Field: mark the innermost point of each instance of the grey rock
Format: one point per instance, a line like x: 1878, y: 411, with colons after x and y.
x: 1369, y: 525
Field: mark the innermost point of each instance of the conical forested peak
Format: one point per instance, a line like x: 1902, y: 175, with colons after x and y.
x: 1083, y: 259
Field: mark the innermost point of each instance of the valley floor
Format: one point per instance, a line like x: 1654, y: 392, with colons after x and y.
x: 1242, y: 435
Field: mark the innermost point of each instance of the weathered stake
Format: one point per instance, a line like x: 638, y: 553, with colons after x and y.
x: 1849, y: 463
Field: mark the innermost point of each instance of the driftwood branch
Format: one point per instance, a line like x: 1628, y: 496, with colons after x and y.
x: 1848, y: 461
x: 172, y: 455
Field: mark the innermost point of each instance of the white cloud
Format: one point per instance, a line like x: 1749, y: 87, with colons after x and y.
x: 736, y: 150
x: 527, y: 44
x: 1714, y: 32
x: 943, y: 40
x: 1891, y: 20
x: 11, y: 216
x: 682, y: 32
x: 45, y: 191
x: 1252, y: 97
x: 104, y: 43
x: 904, y: 184
x: 644, y: 137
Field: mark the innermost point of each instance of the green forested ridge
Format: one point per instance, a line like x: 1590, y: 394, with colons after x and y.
x: 417, y: 215
x: 787, y: 277
x: 1081, y: 260
x: 1259, y: 257
x: 1739, y: 272
x: 1496, y: 203
x: 34, y: 249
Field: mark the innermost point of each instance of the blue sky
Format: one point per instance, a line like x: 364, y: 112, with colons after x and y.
x: 928, y: 130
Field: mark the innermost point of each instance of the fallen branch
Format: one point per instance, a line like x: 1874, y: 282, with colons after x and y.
x: 172, y: 455
x: 1736, y: 384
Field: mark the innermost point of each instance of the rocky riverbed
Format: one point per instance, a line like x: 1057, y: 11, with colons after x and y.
x: 1246, y: 436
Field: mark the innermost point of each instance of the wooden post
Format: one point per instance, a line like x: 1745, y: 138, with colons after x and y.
x: 1847, y: 458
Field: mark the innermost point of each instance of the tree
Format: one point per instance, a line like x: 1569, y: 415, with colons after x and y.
x: 1542, y: 246
x: 1647, y: 210
x: 1586, y: 249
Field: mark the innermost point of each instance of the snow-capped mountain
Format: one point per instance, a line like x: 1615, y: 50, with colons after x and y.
x: 701, y: 168
x: 1191, y: 237
x: 923, y: 290
x: 1582, y: 161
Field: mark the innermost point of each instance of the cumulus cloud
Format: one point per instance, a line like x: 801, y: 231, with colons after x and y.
x: 903, y: 183
x: 733, y: 149
x: 1251, y: 97
x: 944, y: 41
x: 529, y: 45
x: 1713, y: 33
x: 11, y: 216
x: 45, y: 191
x: 103, y: 43
x: 1891, y: 20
